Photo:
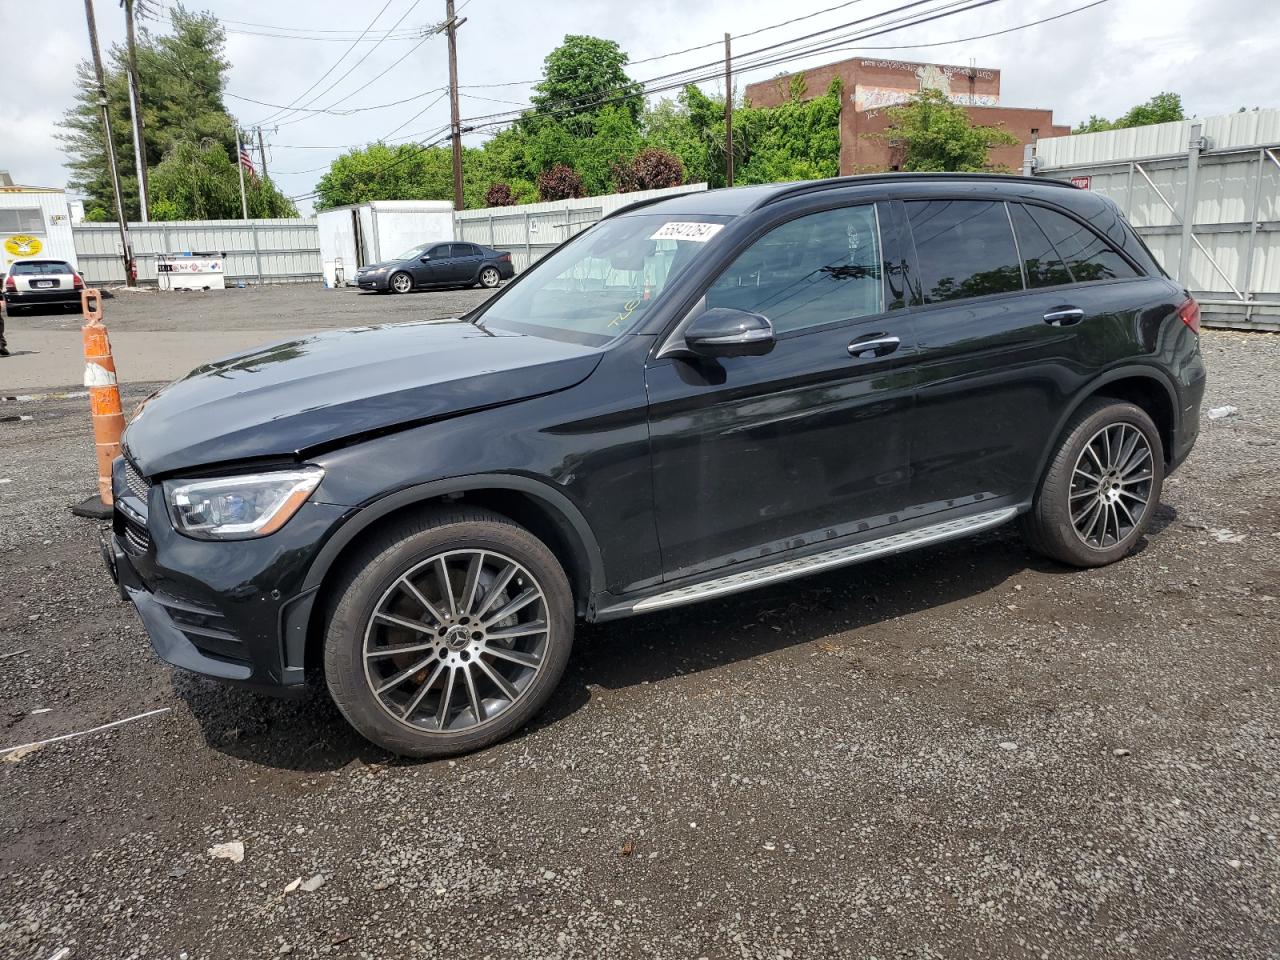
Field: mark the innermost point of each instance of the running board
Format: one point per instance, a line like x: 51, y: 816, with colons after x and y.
x: 803, y: 566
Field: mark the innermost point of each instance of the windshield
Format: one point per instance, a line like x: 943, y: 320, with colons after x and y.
x: 603, y: 282
x: 413, y: 253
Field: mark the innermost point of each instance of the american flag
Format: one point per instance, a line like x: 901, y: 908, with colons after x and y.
x: 246, y: 161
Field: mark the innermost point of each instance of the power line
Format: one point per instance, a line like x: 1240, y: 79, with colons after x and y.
x: 403, y: 35
x: 367, y: 53
x: 339, y: 113
x: 753, y: 59
x: 332, y: 68
x: 371, y: 80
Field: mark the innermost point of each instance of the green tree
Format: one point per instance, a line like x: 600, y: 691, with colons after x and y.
x: 181, y: 77
x: 1162, y: 108
x: 199, y: 181
x: 580, y: 73
x: 382, y: 172
x: 181, y: 82
x: 934, y: 134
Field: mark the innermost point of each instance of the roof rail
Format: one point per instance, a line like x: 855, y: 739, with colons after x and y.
x: 816, y: 186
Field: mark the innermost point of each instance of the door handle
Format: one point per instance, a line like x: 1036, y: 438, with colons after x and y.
x: 877, y: 346
x: 1064, y: 316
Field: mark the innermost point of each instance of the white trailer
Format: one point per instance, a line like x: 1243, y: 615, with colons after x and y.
x: 377, y: 230
x: 35, y: 222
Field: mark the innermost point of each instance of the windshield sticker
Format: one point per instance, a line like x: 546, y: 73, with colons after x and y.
x: 684, y: 230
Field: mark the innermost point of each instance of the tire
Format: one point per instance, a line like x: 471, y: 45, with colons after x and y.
x: 530, y: 660
x: 400, y: 283
x: 489, y: 277
x: 1100, y: 490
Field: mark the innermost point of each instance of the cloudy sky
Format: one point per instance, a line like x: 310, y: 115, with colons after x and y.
x: 1101, y: 60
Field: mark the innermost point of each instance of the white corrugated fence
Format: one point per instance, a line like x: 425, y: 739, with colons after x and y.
x: 1225, y: 170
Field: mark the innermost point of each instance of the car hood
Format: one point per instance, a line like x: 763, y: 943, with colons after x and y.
x: 287, y: 398
x: 378, y: 266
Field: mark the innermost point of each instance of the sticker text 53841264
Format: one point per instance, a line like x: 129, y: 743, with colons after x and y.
x: 687, y: 230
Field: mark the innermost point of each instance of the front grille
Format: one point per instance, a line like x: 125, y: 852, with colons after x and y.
x: 136, y: 483
x: 136, y: 537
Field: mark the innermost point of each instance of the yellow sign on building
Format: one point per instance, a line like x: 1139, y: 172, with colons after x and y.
x: 22, y: 245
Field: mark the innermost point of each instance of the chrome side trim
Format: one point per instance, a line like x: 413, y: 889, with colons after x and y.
x: 804, y: 566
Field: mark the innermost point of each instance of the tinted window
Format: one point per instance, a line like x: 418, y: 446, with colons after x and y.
x: 1043, y: 265
x: 32, y: 267
x: 810, y: 271
x: 440, y: 252
x: 1087, y: 255
x: 965, y: 248
x: 464, y: 250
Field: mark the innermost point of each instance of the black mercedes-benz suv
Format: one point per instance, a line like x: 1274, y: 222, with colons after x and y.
x: 698, y: 395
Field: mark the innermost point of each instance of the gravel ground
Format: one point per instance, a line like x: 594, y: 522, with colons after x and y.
x: 960, y: 752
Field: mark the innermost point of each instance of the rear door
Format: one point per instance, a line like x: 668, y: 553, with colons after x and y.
x: 466, y: 262
x: 755, y: 456
x: 1006, y: 334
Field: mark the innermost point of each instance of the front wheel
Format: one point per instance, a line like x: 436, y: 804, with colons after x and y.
x: 448, y: 634
x: 401, y: 283
x: 1101, y: 488
x: 489, y: 277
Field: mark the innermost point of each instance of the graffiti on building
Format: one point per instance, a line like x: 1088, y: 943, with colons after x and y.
x: 947, y: 68
x: 871, y: 98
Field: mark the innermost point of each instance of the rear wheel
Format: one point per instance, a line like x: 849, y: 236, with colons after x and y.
x: 1101, y: 488
x: 401, y: 283
x: 449, y: 633
x: 489, y: 277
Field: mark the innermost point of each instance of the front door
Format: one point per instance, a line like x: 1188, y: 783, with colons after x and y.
x: 760, y: 455
x: 437, y: 267
x: 1007, y: 334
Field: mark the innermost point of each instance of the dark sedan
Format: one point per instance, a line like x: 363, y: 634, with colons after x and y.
x: 434, y: 265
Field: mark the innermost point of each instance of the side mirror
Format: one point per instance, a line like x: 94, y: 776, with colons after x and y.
x: 425, y: 257
x: 725, y: 332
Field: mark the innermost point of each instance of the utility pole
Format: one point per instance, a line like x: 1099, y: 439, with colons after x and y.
x: 126, y: 250
x: 135, y: 109
x: 244, y: 203
x: 262, y: 154
x: 452, y: 29
x: 728, y: 114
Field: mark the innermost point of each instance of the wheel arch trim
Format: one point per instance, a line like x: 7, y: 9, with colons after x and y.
x: 554, y: 501
x: 1098, y: 386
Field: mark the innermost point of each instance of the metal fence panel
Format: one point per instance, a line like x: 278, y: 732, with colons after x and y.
x: 257, y: 251
x: 1231, y: 259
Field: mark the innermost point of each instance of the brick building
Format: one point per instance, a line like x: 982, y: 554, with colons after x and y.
x: 871, y: 85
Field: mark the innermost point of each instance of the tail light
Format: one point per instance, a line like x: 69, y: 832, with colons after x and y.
x: 505, y: 258
x: 10, y: 285
x: 77, y: 282
x: 1189, y: 313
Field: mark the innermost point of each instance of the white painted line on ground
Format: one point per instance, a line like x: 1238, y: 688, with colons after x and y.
x: 82, y: 733
x: 33, y: 397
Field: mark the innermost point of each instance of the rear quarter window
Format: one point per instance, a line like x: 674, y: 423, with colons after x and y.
x: 1086, y: 254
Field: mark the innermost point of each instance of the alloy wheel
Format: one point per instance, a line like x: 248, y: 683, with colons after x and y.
x: 456, y: 641
x: 489, y: 277
x: 1111, y: 485
x: 401, y: 283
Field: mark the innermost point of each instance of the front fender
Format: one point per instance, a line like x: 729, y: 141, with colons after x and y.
x: 359, y: 520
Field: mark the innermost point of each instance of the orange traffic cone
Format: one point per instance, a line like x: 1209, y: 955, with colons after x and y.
x: 104, y: 402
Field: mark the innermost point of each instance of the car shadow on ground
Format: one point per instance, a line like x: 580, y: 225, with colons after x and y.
x: 310, y: 735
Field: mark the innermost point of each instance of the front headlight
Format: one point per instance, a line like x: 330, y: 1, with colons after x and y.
x: 239, y: 508
x: 376, y: 270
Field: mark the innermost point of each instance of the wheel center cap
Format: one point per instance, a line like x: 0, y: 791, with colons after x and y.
x: 456, y: 637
